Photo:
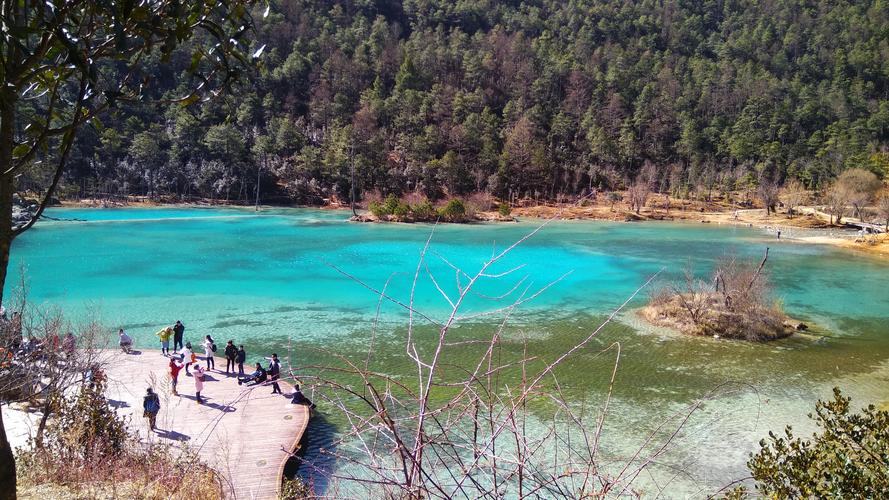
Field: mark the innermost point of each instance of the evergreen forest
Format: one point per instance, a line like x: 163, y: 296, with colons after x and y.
x: 540, y: 99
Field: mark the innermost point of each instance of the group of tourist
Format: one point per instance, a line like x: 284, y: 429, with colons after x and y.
x: 51, y: 345
x: 182, y: 356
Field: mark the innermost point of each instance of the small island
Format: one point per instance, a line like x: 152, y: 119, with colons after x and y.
x: 735, y: 304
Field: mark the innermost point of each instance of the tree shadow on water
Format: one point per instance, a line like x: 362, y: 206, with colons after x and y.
x: 309, y: 464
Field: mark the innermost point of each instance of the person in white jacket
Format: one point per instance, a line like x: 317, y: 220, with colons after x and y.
x: 187, y: 356
x: 209, y: 349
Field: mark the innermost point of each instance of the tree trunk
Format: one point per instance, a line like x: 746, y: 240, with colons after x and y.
x: 7, y: 466
x: 258, y: 171
x: 7, y: 188
x: 352, y: 181
x: 41, y: 427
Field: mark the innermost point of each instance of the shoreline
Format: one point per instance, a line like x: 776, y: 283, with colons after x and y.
x: 809, y: 220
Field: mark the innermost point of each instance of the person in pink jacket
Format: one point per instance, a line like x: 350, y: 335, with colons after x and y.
x: 198, y: 382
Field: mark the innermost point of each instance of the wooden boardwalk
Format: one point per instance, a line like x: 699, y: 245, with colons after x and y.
x: 244, y: 433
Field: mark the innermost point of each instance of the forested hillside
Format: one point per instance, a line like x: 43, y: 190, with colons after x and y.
x: 540, y: 99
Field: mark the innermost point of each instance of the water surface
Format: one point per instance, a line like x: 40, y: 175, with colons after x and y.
x: 277, y: 280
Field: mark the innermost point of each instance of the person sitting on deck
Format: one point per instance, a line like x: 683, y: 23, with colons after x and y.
x: 257, y: 377
x: 300, y: 399
x: 126, y: 342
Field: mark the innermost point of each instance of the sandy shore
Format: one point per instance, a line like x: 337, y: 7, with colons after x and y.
x: 810, y: 226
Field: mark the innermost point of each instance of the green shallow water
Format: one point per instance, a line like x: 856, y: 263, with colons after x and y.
x: 266, y: 280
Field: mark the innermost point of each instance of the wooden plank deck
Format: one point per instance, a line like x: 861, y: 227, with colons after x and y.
x: 244, y: 433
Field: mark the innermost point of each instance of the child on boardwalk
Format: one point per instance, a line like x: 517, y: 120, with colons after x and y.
x: 175, y: 366
x: 151, y: 405
x: 198, y: 382
x: 298, y: 398
x: 164, y: 335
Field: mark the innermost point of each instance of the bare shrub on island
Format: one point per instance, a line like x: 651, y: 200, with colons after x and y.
x: 861, y: 186
x: 735, y: 303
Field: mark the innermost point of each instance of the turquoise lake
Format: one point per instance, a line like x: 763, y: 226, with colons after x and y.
x: 268, y: 280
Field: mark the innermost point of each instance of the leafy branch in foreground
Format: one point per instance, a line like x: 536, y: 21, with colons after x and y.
x: 848, y: 458
x: 65, y: 62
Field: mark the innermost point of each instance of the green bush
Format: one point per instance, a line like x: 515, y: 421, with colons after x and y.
x: 401, y: 210
x: 454, y: 211
x: 847, y: 459
x: 424, y: 211
x: 386, y: 207
x: 390, y: 204
x: 376, y: 208
x: 504, y: 210
x: 293, y: 489
x: 85, y: 426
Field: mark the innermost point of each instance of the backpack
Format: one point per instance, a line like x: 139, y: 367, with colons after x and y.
x: 152, y: 405
x: 213, y: 347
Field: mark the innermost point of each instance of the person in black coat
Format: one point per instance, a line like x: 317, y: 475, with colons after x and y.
x: 240, y: 359
x: 231, y: 354
x: 274, y: 372
x: 298, y: 398
x: 178, y: 333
